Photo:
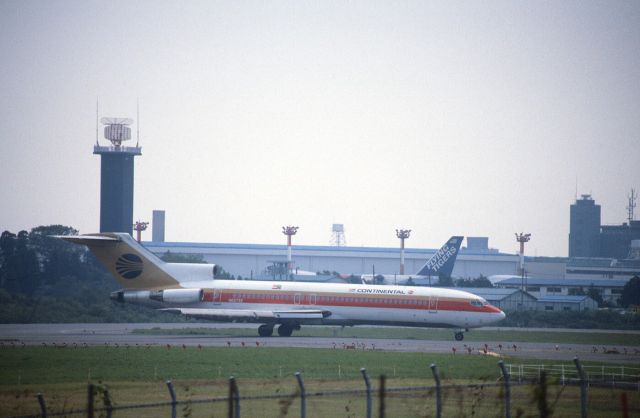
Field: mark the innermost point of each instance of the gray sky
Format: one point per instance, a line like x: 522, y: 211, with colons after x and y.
x: 472, y: 118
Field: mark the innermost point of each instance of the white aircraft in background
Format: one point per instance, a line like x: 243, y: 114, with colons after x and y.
x: 441, y: 263
x: 191, y: 290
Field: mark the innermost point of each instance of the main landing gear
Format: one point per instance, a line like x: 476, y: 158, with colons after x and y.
x: 284, y: 330
x: 459, y: 335
x: 265, y: 330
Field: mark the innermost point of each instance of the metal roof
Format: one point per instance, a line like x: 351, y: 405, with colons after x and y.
x: 539, y: 281
x: 492, y: 293
x: 564, y: 298
x: 281, y: 247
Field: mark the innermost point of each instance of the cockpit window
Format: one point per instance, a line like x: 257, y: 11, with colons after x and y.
x: 478, y: 303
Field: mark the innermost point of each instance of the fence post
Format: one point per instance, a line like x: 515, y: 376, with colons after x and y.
x: 43, y: 406
x: 234, y: 399
x: 174, y: 402
x: 90, y: 401
x: 507, y: 389
x: 367, y: 382
x: 436, y: 376
x: 107, y: 401
x: 381, y: 395
x: 303, y: 395
x: 583, y: 388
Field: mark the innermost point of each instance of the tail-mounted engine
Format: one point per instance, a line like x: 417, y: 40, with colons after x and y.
x: 178, y: 295
x: 166, y: 296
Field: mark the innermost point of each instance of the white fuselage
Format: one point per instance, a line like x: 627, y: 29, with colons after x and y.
x: 348, y: 304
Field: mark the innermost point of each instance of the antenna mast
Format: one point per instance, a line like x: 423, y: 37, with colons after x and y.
x: 137, y: 121
x: 631, y: 206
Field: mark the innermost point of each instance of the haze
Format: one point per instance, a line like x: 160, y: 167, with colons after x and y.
x: 472, y: 118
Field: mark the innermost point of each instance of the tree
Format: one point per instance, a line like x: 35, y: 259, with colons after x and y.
x: 444, y: 281
x: 170, y: 257
x: 481, y: 281
x: 631, y: 292
x: 222, y: 274
x: 58, y: 258
x: 7, y: 249
x: 20, y: 270
x: 595, y: 294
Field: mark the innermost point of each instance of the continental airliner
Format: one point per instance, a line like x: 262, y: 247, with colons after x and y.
x: 192, y: 290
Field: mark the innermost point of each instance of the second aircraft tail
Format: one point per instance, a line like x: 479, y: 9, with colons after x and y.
x: 441, y: 263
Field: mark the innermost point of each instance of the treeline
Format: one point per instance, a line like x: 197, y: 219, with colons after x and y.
x: 597, y: 319
x: 44, y: 279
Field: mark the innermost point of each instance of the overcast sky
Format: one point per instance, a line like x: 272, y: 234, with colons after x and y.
x: 472, y: 118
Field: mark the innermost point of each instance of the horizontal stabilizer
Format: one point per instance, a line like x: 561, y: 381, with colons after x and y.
x: 86, y: 239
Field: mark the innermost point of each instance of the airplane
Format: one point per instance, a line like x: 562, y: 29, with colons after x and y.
x: 441, y: 263
x: 193, y: 291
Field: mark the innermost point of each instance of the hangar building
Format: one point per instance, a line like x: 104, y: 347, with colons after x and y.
x: 249, y: 260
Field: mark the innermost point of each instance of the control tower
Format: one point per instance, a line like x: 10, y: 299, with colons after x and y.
x: 116, y: 176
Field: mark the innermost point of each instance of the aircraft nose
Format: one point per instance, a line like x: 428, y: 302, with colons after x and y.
x: 501, y: 315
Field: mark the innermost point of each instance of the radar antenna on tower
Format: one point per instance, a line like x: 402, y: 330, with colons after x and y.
x: 117, y: 130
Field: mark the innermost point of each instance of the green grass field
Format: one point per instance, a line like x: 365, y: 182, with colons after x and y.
x: 479, y: 335
x: 137, y: 375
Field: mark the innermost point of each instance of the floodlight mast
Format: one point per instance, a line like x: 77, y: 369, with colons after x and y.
x: 402, y: 234
x: 139, y: 227
x: 289, y: 231
x: 522, y: 239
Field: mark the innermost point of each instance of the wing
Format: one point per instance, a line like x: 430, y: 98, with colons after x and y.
x: 249, y: 315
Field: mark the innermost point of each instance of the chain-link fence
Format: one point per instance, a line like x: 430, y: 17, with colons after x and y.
x: 563, y: 389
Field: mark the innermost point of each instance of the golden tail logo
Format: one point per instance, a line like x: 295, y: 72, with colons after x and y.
x: 133, y: 266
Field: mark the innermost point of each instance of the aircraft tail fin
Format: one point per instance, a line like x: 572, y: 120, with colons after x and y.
x: 135, y: 267
x: 441, y: 263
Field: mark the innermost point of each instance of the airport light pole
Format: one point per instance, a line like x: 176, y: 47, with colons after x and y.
x: 402, y: 234
x: 522, y: 239
x: 139, y: 227
x: 289, y: 231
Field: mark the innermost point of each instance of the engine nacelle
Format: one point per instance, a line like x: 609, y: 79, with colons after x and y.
x: 178, y: 295
x: 131, y: 296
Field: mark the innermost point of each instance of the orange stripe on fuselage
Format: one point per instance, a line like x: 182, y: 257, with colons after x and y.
x: 344, y: 300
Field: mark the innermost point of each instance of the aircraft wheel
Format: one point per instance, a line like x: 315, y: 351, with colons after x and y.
x: 459, y: 336
x: 285, y: 330
x: 265, y: 330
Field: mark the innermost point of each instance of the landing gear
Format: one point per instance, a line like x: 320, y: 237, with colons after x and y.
x: 459, y: 335
x: 285, y: 330
x: 265, y: 330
